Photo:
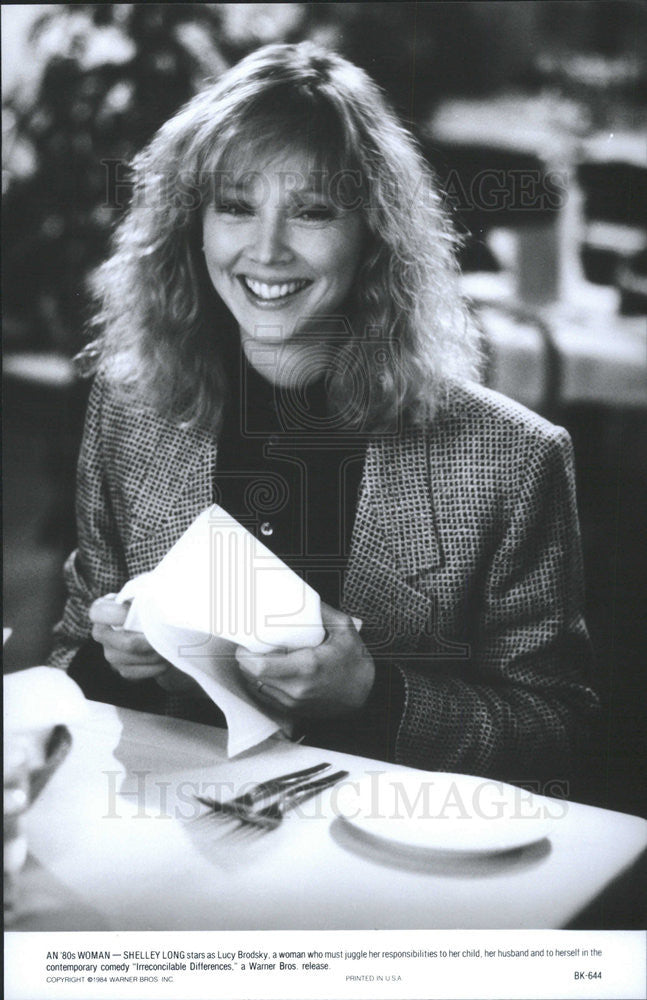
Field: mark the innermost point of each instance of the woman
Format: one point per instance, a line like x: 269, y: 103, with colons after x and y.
x: 281, y: 331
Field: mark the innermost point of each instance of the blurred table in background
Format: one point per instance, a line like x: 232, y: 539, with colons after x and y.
x: 569, y: 353
x: 571, y: 200
x: 556, y: 228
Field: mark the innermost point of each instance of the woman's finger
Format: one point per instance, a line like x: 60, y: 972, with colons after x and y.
x: 133, y: 643
x: 106, y: 611
x: 118, y: 658
x: 333, y: 619
x: 298, y: 663
x: 289, y: 691
x: 269, y: 694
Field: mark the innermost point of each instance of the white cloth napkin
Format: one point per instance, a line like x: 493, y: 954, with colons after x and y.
x: 217, y: 588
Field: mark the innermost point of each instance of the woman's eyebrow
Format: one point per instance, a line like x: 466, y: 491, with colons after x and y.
x: 243, y: 191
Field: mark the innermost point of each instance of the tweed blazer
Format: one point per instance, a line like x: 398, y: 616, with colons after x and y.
x: 464, y: 566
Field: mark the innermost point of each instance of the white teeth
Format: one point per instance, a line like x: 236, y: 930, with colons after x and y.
x: 264, y: 291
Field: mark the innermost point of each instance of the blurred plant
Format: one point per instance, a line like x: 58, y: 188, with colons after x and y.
x: 108, y: 76
x: 100, y: 80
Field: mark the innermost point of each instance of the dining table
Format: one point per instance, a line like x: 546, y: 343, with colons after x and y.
x: 119, y: 840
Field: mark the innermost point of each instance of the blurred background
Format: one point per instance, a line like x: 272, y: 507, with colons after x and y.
x: 534, y: 118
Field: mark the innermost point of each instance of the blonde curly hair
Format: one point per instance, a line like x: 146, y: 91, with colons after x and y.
x: 162, y: 330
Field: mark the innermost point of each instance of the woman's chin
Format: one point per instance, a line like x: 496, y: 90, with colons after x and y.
x: 283, y: 360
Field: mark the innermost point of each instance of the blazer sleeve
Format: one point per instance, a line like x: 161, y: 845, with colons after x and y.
x: 521, y: 706
x: 97, y: 566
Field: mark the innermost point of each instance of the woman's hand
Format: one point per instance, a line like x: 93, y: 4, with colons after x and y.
x: 327, y: 680
x: 129, y: 653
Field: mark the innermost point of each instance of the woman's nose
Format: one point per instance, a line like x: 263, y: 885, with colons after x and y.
x: 271, y: 243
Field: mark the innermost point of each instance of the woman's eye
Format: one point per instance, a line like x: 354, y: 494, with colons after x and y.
x: 234, y: 207
x: 315, y: 213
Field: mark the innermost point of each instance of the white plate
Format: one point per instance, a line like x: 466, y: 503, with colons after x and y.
x: 446, y: 812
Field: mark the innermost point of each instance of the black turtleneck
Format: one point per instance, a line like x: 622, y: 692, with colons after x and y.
x: 290, y: 478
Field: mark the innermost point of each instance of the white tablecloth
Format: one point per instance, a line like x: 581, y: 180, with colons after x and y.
x: 116, y: 842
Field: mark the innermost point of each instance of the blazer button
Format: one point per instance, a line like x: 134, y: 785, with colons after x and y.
x: 266, y: 528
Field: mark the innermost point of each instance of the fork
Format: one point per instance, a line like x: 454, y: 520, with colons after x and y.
x: 272, y: 815
x: 239, y: 807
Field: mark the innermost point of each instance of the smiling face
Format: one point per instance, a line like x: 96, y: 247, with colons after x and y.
x: 280, y: 253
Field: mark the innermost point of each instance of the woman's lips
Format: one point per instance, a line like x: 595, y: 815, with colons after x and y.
x: 272, y: 293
